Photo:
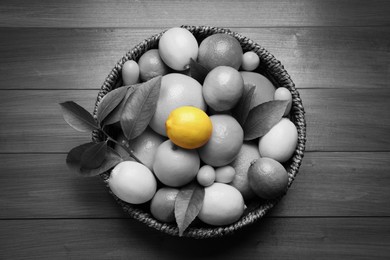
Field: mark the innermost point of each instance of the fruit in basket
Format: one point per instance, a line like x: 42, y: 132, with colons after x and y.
x: 132, y: 182
x: 151, y: 65
x: 222, y: 88
x: 280, y: 142
x: 222, y: 205
x: 188, y: 127
x: 250, y: 61
x: 175, y: 166
x: 206, y: 175
x: 225, y: 142
x: 177, y: 46
x: 144, y: 146
x: 268, y: 178
x: 248, y: 153
x: 225, y: 174
x: 284, y: 94
x: 162, y: 205
x: 130, y: 72
x: 176, y: 90
x: 264, y: 88
x: 220, y: 50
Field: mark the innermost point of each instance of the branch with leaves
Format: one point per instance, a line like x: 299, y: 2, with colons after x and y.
x: 132, y: 106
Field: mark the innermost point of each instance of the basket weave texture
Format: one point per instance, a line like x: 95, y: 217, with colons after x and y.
x: 274, y: 71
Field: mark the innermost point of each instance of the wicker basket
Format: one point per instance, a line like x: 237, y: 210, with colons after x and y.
x: 274, y: 71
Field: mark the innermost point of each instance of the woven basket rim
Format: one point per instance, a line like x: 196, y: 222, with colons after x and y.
x: 275, y: 72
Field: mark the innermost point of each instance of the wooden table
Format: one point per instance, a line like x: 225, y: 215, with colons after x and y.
x: 338, y: 54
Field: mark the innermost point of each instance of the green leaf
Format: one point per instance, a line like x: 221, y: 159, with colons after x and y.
x: 241, y: 111
x: 109, y: 102
x: 140, y: 108
x: 115, y: 115
x: 74, y: 156
x: 112, y: 158
x: 188, y: 203
x: 94, y: 156
x: 77, y: 117
x: 263, y: 117
x: 197, y: 71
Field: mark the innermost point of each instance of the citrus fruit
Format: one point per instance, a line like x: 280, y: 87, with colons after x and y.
x: 130, y: 72
x: 222, y: 88
x: 225, y: 141
x: 144, y: 146
x: 280, y: 141
x: 250, y: 61
x: 176, y: 90
x: 206, y: 175
x: 222, y: 205
x: 284, y: 94
x: 132, y: 182
x: 268, y: 178
x: 220, y: 50
x: 151, y: 65
x: 224, y: 174
x: 248, y: 153
x: 177, y: 46
x: 162, y: 205
x: 175, y: 166
x: 188, y: 127
x: 264, y: 90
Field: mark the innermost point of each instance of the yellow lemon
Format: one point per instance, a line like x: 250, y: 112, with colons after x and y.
x: 188, y: 127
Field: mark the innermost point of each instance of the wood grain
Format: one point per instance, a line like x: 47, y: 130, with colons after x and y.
x: 328, y: 184
x: 337, y: 120
x: 343, y: 57
x: 121, y: 13
x: 273, y: 238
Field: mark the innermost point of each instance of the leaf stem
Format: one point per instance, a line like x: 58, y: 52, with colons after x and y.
x: 124, y: 144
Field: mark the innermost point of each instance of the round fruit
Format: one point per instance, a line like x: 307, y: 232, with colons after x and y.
x: 151, y: 65
x: 222, y: 205
x: 225, y: 174
x: 177, y: 46
x: 162, y: 205
x: 206, y: 175
x: 132, y: 182
x: 268, y: 178
x: 284, y: 94
x: 225, y: 142
x: 144, y: 146
x: 280, y: 141
x: 130, y: 72
x: 188, y: 127
x: 175, y: 166
x: 248, y: 153
x: 176, y: 90
x: 222, y: 88
x: 220, y: 50
x: 250, y: 61
x: 264, y: 88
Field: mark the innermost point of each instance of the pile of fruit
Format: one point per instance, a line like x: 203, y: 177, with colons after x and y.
x: 196, y: 131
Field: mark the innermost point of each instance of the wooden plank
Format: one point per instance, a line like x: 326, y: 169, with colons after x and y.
x: 81, y: 58
x: 337, y: 120
x: 328, y: 184
x: 133, y: 13
x: 274, y: 238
